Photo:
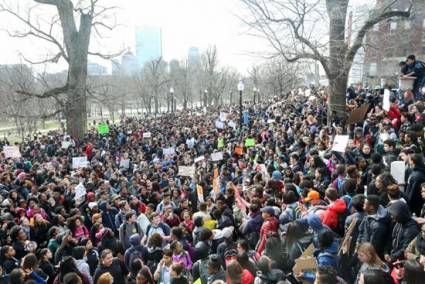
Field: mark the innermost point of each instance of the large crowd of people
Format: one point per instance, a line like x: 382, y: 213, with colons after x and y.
x: 190, y: 197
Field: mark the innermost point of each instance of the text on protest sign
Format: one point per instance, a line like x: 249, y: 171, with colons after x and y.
x: 340, y: 143
x: 219, y: 124
x: 199, y: 159
x: 398, y: 171
x: 103, y: 128
x: 217, y: 156
x: 79, y: 162
x: 11, y: 152
x: 80, y: 190
x: 168, y: 151
x: 187, y: 171
x: 147, y: 135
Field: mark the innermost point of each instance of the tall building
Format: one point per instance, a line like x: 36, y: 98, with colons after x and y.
x: 129, y: 64
x: 96, y: 69
x: 193, y: 55
x: 390, y: 41
x: 148, y: 44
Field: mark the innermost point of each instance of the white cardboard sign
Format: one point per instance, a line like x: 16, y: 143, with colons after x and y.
x: 80, y: 190
x: 186, y: 171
x: 125, y: 164
x: 340, y: 143
x: 223, y: 116
x: 198, y: 159
x: 398, y: 171
x: 147, y: 135
x: 219, y: 124
x: 66, y: 144
x: 78, y: 162
x: 168, y: 151
x: 217, y: 156
x: 386, y: 101
x: 11, y: 152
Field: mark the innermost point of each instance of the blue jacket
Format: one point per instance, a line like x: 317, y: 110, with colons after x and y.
x: 327, y: 256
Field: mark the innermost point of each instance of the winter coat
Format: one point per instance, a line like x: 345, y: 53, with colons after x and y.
x: 365, y: 267
x: 251, y: 229
x: 271, y: 225
x: 331, y: 215
x: 404, y: 231
x: 413, y: 189
x: 114, y: 269
x: 135, y: 251
x: 84, y: 268
x: 375, y: 229
x: 272, y: 276
x: 127, y: 230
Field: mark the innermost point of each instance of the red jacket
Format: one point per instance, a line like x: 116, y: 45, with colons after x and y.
x: 247, y: 278
x: 394, y: 114
x: 331, y: 215
x: 271, y: 225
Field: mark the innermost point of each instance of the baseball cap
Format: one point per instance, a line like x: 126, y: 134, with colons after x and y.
x: 312, y: 195
x: 268, y: 209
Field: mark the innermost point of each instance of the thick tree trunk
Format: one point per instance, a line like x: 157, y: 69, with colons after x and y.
x: 338, y: 76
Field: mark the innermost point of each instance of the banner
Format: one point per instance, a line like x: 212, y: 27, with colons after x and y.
x: 79, y: 162
x: 147, y: 135
x: 11, y: 152
x: 217, y: 156
x: 199, y: 159
x: 386, y: 101
x: 168, y: 151
x: 187, y: 171
x: 358, y: 114
x: 398, y: 171
x: 219, y: 124
x: 125, y: 164
x: 200, y: 193
x: 103, y: 128
x: 340, y: 143
x: 223, y: 116
x: 250, y: 142
x: 66, y: 144
x: 80, y: 190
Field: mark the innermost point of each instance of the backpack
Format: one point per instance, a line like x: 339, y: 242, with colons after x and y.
x: 203, y: 270
x: 339, y: 183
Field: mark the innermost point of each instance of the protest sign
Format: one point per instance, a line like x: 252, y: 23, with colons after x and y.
x: 78, y: 162
x: 306, y: 262
x: 147, y: 135
x: 219, y: 124
x: 217, y: 156
x: 125, y: 164
x: 11, y: 152
x: 340, y: 143
x: 250, y: 142
x: 271, y: 121
x: 80, y: 190
x: 168, y: 151
x: 223, y: 116
x: 358, y: 114
x: 200, y: 193
x: 386, y: 100
x: 220, y: 143
x: 232, y: 124
x: 199, y: 159
x: 398, y: 171
x: 103, y: 128
x: 66, y: 144
x: 185, y: 171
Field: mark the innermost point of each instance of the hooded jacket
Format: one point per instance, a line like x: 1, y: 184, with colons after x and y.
x: 404, y: 231
x: 331, y: 215
x: 413, y: 189
x: 271, y: 225
x: 127, y: 230
x: 326, y: 256
x: 136, y: 250
x: 375, y: 229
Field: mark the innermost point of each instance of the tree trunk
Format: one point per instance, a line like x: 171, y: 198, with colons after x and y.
x: 156, y: 104
x: 338, y: 77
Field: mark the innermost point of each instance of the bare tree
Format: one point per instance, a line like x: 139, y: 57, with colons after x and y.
x: 69, y: 31
x: 294, y: 30
x: 155, y: 79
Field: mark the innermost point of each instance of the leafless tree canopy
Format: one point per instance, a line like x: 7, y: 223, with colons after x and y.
x: 295, y: 29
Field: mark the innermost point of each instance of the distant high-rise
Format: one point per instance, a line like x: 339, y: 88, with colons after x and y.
x: 129, y: 64
x: 193, y: 55
x: 148, y: 44
x: 95, y: 69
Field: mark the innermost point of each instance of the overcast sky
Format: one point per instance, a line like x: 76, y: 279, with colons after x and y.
x: 184, y: 23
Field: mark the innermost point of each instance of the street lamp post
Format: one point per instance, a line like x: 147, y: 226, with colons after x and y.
x: 172, y: 98
x: 255, y: 93
x: 240, y: 89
